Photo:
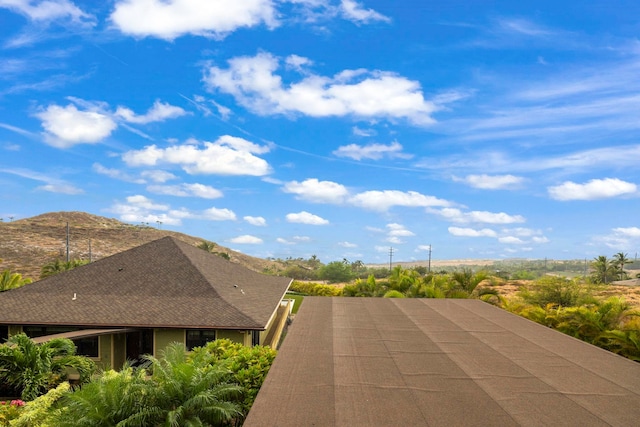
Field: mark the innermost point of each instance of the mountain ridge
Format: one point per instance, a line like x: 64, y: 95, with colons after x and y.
x: 27, y: 244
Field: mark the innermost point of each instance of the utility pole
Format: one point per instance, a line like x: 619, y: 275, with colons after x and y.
x: 429, y: 269
x: 390, y: 258
x: 67, y: 241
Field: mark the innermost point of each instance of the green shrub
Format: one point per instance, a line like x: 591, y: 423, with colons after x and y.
x: 315, y: 289
x: 248, y: 365
x: 393, y: 294
x: 556, y: 290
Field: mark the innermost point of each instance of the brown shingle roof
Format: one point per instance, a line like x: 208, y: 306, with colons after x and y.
x: 410, y: 362
x: 164, y: 283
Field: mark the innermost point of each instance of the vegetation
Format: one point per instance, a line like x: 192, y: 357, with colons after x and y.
x: 9, y: 280
x: 210, y: 247
x: 315, y: 289
x: 248, y: 365
x: 29, y: 370
x: 214, y: 385
x: 58, y: 266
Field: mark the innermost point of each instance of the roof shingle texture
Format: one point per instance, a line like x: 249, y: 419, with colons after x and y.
x: 410, y: 362
x: 164, y: 283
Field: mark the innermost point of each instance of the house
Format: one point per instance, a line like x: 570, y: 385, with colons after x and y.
x: 140, y: 300
x: 437, y: 362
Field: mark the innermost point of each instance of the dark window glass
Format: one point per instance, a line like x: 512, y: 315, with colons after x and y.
x: 199, y: 337
x: 4, y: 333
x: 84, y: 346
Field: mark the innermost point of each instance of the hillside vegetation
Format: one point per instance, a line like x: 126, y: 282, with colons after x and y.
x: 28, y: 244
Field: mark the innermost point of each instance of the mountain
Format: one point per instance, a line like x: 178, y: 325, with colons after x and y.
x: 28, y: 244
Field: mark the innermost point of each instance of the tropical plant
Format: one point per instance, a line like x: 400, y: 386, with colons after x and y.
x: 58, y: 266
x: 10, y: 410
x: 9, y: 280
x: 40, y: 412
x: 618, y: 262
x: 393, y: 294
x: 556, y: 290
x: 188, y: 393
x: 315, y: 289
x: 32, y: 369
x: 249, y: 365
x: 603, y: 270
x: 111, y: 398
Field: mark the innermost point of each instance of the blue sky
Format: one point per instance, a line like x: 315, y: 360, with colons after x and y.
x: 336, y: 128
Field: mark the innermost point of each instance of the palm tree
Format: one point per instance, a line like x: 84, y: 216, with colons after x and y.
x: 58, y: 266
x: 619, y: 261
x: 32, y: 369
x: 188, y: 393
x: 603, y: 270
x: 10, y: 280
x: 207, y: 246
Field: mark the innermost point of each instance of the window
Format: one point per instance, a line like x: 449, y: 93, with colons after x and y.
x: 84, y: 346
x: 199, y: 337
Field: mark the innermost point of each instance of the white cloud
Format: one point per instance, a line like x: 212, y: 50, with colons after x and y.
x: 363, y: 132
x: 358, y: 93
x: 371, y: 151
x: 593, y: 189
x: 347, y: 245
x: 215, y: 214
x: 456, y: 215
x: 159, y: 112
x: 158, y: 175
x: 297, y: 63
x: 186, y: 190
x: 306, y: 218
x: 246, y: 239
x: 633, y: 232
x: 354, y: 11
x: 174, y: 18
x: 51, y: 184
x: 258, y: 221
x: 512, y: 240
x: 396, y: 231
x: 61, y: 188
x: 67, y: 126
x: 470, y: 232
x: 284, y: 241
x: 317, y: 191
x: 302, y: 238
x: 116, y: 174
x: 48, y: 10
x: 491, y: 182
x: 140, y: 209
x: 228, y: 155
x: 383, y: 200
x: 146, y: 203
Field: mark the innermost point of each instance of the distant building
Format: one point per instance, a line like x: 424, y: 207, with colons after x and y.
x: 140, y: 300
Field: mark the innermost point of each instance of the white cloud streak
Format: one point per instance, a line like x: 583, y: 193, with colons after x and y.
x: 371, y: 151
x: 591, y: 190
x: 228, y: 155
x: 306, y: 218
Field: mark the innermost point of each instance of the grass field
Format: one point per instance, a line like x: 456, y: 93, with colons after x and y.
x: 298, y: 300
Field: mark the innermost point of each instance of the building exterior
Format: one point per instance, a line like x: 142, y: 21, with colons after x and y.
x: 140, y: 300
x: 439, y: 362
